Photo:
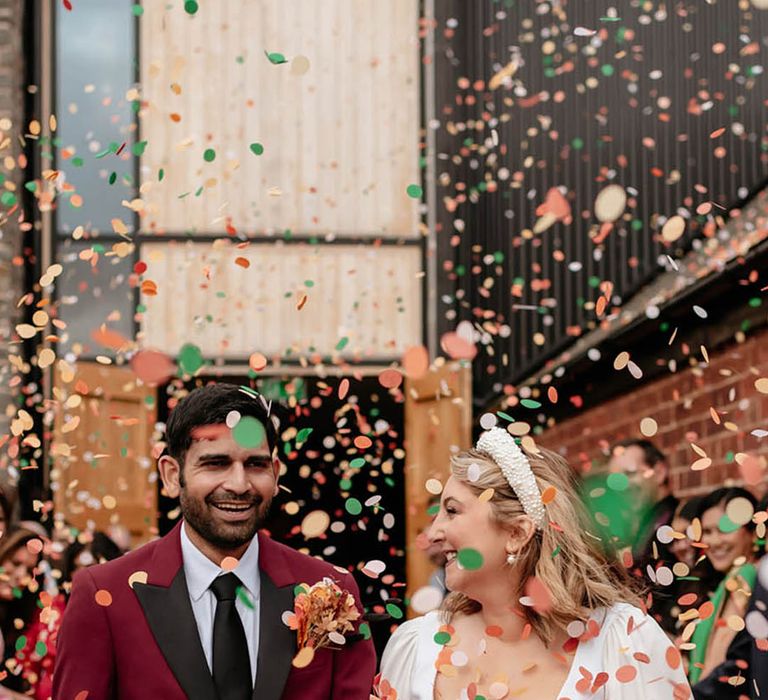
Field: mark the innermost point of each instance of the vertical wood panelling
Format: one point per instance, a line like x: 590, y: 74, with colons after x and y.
x: 340, y: 141
x: 371, y: 295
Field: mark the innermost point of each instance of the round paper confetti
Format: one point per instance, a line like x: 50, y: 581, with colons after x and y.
x: 390, y: 378
x: 299, y: 65
x: 315, y: 524
x: 190, y: 358
x: 232, y: 419
x: 434, y: 486
x: 414, y: 191
x: 488, y: 421
x: 762, y: 385
x: 648, y: 427
x: 304, y: 657
x: 249, y: 432
x: 673, y: 228
x: 610, y: 203
x: 152, y: 367
x: 617, y: 481
x: 256, y: 149
x: 209, y: 155
x: 353, y: 506
x: 739, y: 510
x: 425, y: 599
x: 416, y: 361
x: 469, y: 559
x: 103, y: 598
x: 229, y: 563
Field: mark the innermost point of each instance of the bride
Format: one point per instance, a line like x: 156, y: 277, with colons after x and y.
x: 536, y: 610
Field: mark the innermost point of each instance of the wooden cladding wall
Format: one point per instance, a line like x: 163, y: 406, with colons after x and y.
x: 233, y: 301
x: 338, y: 122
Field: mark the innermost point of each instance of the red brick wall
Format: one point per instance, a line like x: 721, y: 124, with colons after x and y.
x: 680, y: 403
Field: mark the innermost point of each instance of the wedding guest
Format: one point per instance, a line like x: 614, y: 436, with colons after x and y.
x: 536, y: 609
x: 201, y: 612
x: 744, y: 673
x: 648, y: 472
x: 731, y: 549
x: 697, y: 576
x: 29, y: 616
x: 98, y: 549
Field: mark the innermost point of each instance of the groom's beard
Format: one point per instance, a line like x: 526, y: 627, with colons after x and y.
x: 202, y: 516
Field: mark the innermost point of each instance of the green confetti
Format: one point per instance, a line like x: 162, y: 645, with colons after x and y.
x: 342, y: 343
x: 245, y: 597
x: 304, y: 433
x: 442, y: 638
x: 257, y: 148
x: 160, y: 175
x: 138, y: 148
x: 505, y: 416
x: 276, y: 58
x: 112, y: 178
x: 607, y: 70
x: 137, y: 10
x: 353, y: 506
x: 617, y: 481
x: 727, y: 525
x: 357, y: 463
x: 21, y: 642
x: 394, y: 611
x: 556, y: 551
x: 414, y: 191
x: 77, y: 162
x: 41, y: 649
x: 209, y: 156
x: 191, y: 7
x: 530, y: 403
x: 8, y: 199
x: 249, y: 432
x: 365, y: 630
x: 469, y: 559
x: 190, y: 358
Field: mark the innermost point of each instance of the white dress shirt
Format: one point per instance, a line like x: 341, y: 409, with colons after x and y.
x: 200, y: 572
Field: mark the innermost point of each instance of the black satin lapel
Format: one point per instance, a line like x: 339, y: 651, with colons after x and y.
x: 277, y: 643
x: 170, y: 617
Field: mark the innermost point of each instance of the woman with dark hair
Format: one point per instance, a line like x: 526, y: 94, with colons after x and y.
x: 80, y: 555
x: 728, y: 532
x: 29, y: 616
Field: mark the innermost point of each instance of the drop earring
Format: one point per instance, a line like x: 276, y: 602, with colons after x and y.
x: 511, y: 559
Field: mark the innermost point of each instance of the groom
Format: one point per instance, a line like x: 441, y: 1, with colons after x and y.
x: 198, y: 613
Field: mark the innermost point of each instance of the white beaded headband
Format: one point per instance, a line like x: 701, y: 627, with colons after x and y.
x: 503, y: 449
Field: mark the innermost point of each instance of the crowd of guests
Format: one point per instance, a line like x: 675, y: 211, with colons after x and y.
x: 36, y: 569
x: 702, y: 573
x: 701, y: 560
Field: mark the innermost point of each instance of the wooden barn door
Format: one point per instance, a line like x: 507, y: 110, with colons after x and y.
x: 103, y: 469
x: 438, y: 415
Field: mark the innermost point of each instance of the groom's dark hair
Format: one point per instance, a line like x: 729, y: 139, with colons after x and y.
x: 210, y: 405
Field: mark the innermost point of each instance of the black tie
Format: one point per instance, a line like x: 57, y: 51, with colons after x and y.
x: 231, y: 662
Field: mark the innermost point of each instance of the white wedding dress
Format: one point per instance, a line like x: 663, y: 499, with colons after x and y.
x: 408, y: 663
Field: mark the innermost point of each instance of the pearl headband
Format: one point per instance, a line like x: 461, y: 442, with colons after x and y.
x: 502, y: 448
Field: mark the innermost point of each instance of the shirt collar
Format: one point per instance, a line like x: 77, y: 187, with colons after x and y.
x: 200, y: 571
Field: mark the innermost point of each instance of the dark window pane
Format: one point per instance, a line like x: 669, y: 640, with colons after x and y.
x: 95, y: 61
x: 91, y: 296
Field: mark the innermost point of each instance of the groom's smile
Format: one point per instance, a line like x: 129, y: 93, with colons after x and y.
x: 225, y: 490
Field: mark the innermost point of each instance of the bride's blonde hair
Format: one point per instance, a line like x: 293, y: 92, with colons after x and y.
x: 572, y: 564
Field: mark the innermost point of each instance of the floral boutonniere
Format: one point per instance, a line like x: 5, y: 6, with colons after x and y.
x: 322, y: 614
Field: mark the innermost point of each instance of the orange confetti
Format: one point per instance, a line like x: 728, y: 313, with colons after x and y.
x: 552, y: 394
x: 302, y: 302
x: 363, y: 442
x: 548, y: 495
x: 717, y: 132
x: 149, y: 288
x: 626, y: 674
x: 673, y: 657
x: 343, y: 388
x: 257, y: 362
x: 103, y: 598
x: 416, y: 361
x: 600, y: 306
x: 76, y: 201
x: 243, y: 262
x: 687, y: 599
x: 390, y: 378
x: 493, y: 631
x: 175, y: 117
x: 706, y: 610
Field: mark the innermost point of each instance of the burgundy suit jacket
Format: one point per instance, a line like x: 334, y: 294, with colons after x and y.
x: 144, y: 643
